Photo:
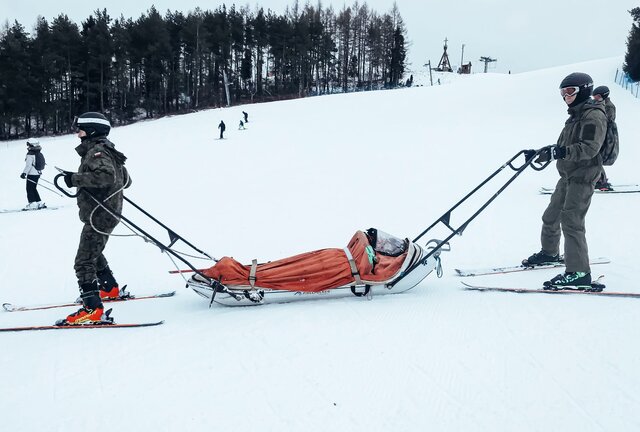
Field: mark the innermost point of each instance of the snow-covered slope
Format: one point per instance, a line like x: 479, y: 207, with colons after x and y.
x: 305, y: 175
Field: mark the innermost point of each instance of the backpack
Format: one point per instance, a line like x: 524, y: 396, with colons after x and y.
x: 611, y: 146
x: 40, y: 163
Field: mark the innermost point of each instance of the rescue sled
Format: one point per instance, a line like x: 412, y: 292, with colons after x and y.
x: 369, y: 265
x: 372, y: 263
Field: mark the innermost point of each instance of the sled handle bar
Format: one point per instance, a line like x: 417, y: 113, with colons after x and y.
x: 61, y: 189
x: 445, y: 219
x: 173, y: 237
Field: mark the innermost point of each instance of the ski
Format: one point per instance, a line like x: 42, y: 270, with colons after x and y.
x: 596, y: 286
x: 104, y: 325
x: 518, y: 268
x: 11, y: 308
x: 30, y: 210
x: 617, y: 189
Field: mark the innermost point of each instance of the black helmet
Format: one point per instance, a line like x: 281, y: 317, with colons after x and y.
x: 93, y: 123
x: 602, y: 91
x: 580, y: 80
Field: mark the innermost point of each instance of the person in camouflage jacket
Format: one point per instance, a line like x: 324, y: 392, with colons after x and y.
x: 579, y: 164
x: 100, y: 179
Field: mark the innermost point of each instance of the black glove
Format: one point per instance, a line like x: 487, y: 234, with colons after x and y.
x: 67, y: 179
x: 23, y: 175
x: 551, y: 153
x: 528, y: 154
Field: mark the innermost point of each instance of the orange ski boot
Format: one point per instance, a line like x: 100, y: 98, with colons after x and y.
x: 92, y: 309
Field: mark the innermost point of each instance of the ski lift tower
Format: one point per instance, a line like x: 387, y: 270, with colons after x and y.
x: 445, y: 64
x: 486, y: 61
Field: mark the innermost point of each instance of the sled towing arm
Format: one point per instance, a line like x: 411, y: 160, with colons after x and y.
x: 173, y: 237
x: 445, y: 219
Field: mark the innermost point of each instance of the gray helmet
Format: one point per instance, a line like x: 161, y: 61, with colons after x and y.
x: 580, y: 80
x: 602, y: 91
x: 93, y: 123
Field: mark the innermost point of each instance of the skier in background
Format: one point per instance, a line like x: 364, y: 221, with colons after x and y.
x: 32, y: 174
x: 601, y: 94
x: 579, y: 166
x: 101, y: 173
x: 222, y: 127
x: 246, y: 117
x: 241, y: 125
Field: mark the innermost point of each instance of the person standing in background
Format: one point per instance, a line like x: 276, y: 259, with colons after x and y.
x: 34, y: 164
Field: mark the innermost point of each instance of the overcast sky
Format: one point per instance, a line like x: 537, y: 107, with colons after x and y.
x: 521, y: 35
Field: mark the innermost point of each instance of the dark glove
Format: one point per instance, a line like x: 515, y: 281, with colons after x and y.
x: 551, y: 153
x: 528, y: 154
x: 23, y: 175
x: 67, y: 179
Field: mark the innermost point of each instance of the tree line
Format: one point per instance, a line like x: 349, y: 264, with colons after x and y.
x: 632, y: 57
x: 157, y: 65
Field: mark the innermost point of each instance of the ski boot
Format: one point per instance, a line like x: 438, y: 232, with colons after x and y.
x: 92, y: 310
x: 604, y: 187
x: 541, y: 258
x: 570, y: 280
x: 109, y: 289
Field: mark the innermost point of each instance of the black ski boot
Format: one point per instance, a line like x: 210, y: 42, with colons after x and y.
x: 109, y: 289
x: 570, y: 280
x: 541, y: 258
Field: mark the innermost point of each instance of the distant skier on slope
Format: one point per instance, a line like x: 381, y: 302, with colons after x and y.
x: 241, y: 125
x: 101, y: 173
x: 579, y: 166
x: 222, y: 127
x: 601, y: 94
x: 34, y: 164
x: 246, y: 117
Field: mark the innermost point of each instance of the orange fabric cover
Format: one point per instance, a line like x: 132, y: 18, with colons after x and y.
x: 315, y: 271
x: 385, y: 267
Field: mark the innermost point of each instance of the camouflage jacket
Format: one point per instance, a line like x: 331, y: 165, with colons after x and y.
x: 582, y: 137
x: 102, y: 173
x: 610, y: 109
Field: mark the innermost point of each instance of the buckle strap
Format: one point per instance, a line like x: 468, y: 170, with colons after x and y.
x: 252, y: 274
x: 354, y: 270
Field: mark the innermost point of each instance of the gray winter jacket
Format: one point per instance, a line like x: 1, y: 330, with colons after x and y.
x: 582, y: 137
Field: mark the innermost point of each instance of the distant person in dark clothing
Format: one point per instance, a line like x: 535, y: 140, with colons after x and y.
x: 222, y: 127
x: 246, y: 117
x: 601, y: 94
x: 241, y: 126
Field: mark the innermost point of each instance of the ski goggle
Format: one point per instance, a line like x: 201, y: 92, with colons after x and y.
x: 569, y: 91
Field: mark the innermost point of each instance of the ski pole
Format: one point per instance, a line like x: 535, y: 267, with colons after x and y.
x: 49, y: 189
x: 46, y: 181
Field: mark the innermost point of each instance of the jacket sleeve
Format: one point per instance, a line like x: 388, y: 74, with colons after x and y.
x: 593, y: 129
x: 98, y: 171
x: 30, y: 162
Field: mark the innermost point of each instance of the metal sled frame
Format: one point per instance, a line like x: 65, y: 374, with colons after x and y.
x: 445, y: 219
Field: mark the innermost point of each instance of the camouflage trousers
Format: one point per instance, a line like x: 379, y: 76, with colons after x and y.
x: 566, y: 214
x: 89, y: 259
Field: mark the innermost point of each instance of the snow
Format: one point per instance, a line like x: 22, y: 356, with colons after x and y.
x: 305, y: 175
